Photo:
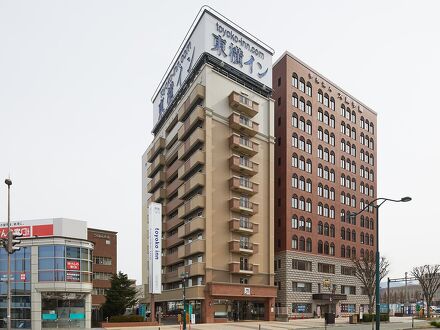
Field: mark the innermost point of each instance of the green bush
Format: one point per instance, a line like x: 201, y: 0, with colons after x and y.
x: 372, y: 317
x: 435, y: 324
x: 127, y: 318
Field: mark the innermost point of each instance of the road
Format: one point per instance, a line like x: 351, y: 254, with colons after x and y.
x: 341, y: 323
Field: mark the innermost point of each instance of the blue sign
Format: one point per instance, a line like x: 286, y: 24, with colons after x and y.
x: 51, y: 317
x: 76, y: 316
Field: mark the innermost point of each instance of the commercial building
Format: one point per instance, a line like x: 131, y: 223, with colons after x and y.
x: 51, y: 275
x: 325, y: 170
x: 104, y: 266
x: 211, y: 167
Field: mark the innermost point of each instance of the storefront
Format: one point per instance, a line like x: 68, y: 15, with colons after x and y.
x: 51, y: 280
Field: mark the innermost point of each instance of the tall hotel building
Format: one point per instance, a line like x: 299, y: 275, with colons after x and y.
x: 325, y: 169
x: 211, y: 166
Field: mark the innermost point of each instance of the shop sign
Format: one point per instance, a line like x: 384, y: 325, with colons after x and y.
x: 23, y: 276
x: 72, y: 277
x: 155, y: 247
x: 247, y: 291
x: 72, y: 265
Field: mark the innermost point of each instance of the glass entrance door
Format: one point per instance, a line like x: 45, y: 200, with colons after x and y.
x: 63, y: 310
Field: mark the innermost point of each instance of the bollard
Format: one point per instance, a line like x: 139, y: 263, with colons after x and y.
x: 259, y: 327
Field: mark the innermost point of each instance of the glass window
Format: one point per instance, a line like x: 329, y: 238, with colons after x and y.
x: 59, y: 251
x: 46, y: 263
x: 46, y: 251
x: 45, y: 276
x: 72, y: 252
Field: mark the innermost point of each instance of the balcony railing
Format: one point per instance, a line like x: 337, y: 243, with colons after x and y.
x: 238, y: 268
x: 157, y: 164
x: 196, y: 224
x: 194, y: 140
x: 243, y: 247
x: 243, y: 124
x: 196, y: 117
x: 243, y: 104
x: 242, y: 185
x: 243, y: 145
x: 243, y: 165
x: 155, y: 148
x: 197, y: 94
x: 197, y: 246
x: 243, y: 206
x: 196, y: 159
x: 243, y: 227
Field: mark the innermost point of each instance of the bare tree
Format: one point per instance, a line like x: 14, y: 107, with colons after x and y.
x: 366, y: 273
x: 429, y: 279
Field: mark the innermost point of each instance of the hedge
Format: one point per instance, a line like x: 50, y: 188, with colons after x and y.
x: 127, y: 318
x: 371, y: 317
x: 435, y: 324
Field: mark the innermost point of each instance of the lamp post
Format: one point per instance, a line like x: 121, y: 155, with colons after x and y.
x: 376, y: 207
x: 9, y: 245
x: 184, y: 276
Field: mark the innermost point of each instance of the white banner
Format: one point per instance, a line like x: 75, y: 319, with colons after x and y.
x: 221, y: 38
x: 155, y: 247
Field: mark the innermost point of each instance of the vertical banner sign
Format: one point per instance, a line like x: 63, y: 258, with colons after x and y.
x: 155, y: 247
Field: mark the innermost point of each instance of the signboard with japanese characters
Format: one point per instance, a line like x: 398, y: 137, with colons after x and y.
x: 215, y: 35
x: 72, y: 265
x: 72, y: 276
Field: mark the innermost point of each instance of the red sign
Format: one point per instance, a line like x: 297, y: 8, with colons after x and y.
x: 72, y: 265
x: 23, y: 276
x: 25, y: 230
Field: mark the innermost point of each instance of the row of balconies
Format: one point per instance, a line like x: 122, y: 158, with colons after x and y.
x: 197, y: 116
x: 197, y: 94
x: 197, y: 268
x: 155, y: 149
x: 196, y: 138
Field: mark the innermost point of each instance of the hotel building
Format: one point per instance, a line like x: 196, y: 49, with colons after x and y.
x: 211, y: 167
x: 325, y: 169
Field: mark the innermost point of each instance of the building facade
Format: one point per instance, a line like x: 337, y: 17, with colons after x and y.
x: 210, y: 165
x: 325, y: 169
x: 51, y: 275
x: 104, y: 266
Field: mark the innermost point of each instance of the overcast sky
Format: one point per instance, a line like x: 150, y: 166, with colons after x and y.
x: 76, y: 80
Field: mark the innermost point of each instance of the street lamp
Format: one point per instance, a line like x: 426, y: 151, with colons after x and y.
x: 184, y: 277
x: 382, y: 200
x: 8, y: 182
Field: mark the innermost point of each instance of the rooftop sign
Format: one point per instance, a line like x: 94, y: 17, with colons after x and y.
x: 213, y: 34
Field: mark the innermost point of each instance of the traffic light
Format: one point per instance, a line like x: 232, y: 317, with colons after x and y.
x: 13, y: 241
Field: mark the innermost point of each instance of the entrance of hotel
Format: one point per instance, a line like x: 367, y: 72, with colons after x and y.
x: 244, y: 310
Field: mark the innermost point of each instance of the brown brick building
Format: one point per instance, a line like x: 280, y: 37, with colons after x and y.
x: 104, y: 265
x: 325, y: 169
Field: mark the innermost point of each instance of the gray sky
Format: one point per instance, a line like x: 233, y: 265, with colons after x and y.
x: 76, y: 79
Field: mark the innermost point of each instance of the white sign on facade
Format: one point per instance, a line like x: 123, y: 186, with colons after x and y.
x: 247, y: 291
x: 155, y: 247
x: 217, y: 36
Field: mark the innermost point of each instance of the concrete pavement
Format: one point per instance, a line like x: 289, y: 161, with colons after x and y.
x: 341, y: 323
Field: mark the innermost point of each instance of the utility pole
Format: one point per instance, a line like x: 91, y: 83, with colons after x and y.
x: 406, y: 293
x: 8, y: 312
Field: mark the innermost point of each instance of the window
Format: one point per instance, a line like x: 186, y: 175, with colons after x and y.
x: 309, y: 89
x: 332, y: 103
x: 309, y: 225
x: 309, y: 245
x: 302, y: 265
x: 348, y: 308
x: 349, y: 271
x: 348, y: 289
x: 302, y: 85
x: 295, y: 100
x: 326, y: 100
x: 326, y: 268
x: 320, y: 247
x: 295, y: 80
x: 295, y: 242
x: 320, y: 228
x: 301, y: 287
x: 102, y: 260
x: 320, y: 96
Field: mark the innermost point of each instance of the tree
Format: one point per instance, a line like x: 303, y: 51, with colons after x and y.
x: 429, y: 279
x: 366, y: 274
x: 120, y: 296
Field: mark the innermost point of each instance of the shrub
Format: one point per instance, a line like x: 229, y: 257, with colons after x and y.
x: 372, y: 317
x: 435, y: 324
x: 127, y: 318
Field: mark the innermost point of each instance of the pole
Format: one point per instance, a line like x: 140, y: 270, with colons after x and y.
x: 406, y: 293
x: 8, y: 312
x: 388, y: 297
x: 377, y: 271
x: 184, y: 303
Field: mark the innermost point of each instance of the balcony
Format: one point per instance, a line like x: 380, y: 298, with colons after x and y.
x: 243, y: 124
x: 173, y: 205
x: 197, y: 268
x: 197, y: 246
x: 155, y: 166
x: 197, y: 202
x: 173, y: 168
x: 158, y: 195
x: 243, y: 248
x: 196, y: 181
x: 196, y: 95
x: 157, y: 180
x: 170, y: 259
x: 156, y: 147
x: 196, y: 224
x: 173, y: 186
x: 247, y: 269
x: 243, y: 227
x: 242, y: 165
x: 243, y: 206
x: 196, y: 159
x: 196, y: 117
x: 172, y: 241
x: 170, y: 277
x: 243, y: 104
x: 243, y: 145
x: 243, y: 186
x: 172, y: 223
x: 194, y: 140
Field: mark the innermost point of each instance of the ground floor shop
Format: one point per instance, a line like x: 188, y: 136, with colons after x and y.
x: 221, y: 302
